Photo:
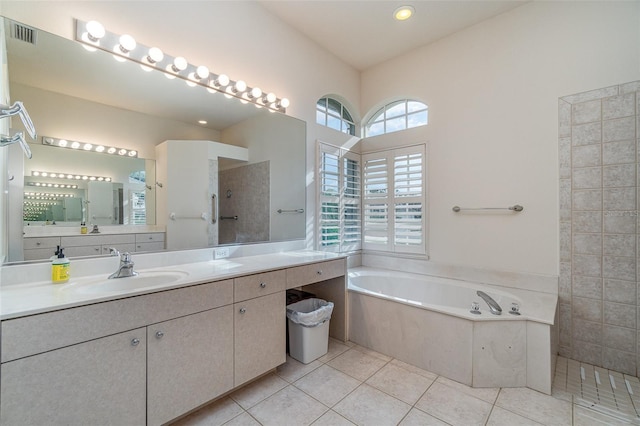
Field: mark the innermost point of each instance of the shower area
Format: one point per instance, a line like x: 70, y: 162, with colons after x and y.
x: 599, y: 173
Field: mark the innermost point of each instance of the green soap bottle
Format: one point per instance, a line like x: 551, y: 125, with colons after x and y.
x: 60, y: 268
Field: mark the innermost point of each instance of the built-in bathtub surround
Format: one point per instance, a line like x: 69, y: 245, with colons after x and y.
x: 403, y: 315
x: 244, y: 203
x: 598, y: 289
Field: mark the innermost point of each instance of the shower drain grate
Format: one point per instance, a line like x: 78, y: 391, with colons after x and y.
x: 607, y: 391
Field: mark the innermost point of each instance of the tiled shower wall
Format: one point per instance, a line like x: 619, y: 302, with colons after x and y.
x: 599, y: 240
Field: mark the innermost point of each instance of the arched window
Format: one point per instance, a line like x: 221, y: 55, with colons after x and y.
x: 332, y: 113
x: 398, y: 115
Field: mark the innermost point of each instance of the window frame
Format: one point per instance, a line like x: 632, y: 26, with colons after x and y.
x: 385, y: 229
x: 344, y: 242
x: 347, y: 123
x: 380, y: 117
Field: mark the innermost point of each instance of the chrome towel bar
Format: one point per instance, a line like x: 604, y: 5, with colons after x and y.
x: 229, y: 217
x: 290, y: 211
x: 514, y: 208
x: 173, y: 216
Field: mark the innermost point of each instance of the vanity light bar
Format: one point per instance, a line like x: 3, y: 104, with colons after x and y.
x: 31, y: 195
x: 94, y: 36
x: 74, y: 176
x: 86, y: 146
x: 52, y: 185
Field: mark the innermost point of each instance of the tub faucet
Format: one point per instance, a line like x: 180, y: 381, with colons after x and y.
x: 493, y: 305
x: 126, y: 267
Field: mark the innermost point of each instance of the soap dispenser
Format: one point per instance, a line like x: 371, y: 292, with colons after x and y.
x: 60, y: 268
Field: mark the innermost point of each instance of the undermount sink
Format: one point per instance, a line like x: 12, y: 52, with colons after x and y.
x: 142, y: 280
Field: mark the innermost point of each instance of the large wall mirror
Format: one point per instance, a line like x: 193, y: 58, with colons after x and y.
x: 89, y: 97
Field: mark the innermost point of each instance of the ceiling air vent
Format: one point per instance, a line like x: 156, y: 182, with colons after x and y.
x: 23, y: 33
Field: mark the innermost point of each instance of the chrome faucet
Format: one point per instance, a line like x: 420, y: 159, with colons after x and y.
x: 126, y: 265
x: 493, y: 305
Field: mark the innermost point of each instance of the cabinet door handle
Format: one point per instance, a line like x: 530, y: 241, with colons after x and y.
x: 243, y: 310
x: 319, y: 272
x: 135, y: 341
x: 38, y: 244
x: 263, y: 285
x: 159, y: 334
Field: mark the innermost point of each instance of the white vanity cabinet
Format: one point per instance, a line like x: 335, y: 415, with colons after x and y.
x: 98, y: 382
x: 259, y: 324
x: 189, y: 363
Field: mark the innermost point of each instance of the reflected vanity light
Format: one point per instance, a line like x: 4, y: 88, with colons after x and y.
x: 52, y: 185
x: 56, y: 175
x: 93, y: 36
x: 85, y: 146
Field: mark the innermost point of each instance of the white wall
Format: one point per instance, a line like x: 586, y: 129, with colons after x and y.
x: 493, y: 92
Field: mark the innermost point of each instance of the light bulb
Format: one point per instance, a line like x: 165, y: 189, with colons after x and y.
x: 92, y: 178
x: 132, y: 153
x: 154, y: 56
x: 222, y: 80
x: 75, y: 145
x: 284, y: 103
x: 95, y: 31
x: 403, y: 13
x: 240, y: 86
x: 179, y: 64
x: 100, y: 178
x: 85, y: 177
x: 87, y: 147
x: 45, y: 174
x: 62, y: 142
x: 111, y: 150
x: 254, y: 93
x: 202, y: 72
x: 122, y: 152
x: 100, y: 148
x: 269, y: 98
x: 127, y: 43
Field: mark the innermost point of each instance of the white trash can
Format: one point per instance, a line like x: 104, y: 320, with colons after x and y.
x: 309, y: 329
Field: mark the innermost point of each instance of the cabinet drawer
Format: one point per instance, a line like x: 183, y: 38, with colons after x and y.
x: 95, y: 240
x: 39, y: 254
x: 35, y: 334
x: 309, y: 274
x: 258, y: 285
x: 151, y: 237
x: 41, y: 243
x: 159, y: 245
x: 83, y: 251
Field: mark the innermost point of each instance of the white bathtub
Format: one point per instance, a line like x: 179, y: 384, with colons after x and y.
x: 426, y: 321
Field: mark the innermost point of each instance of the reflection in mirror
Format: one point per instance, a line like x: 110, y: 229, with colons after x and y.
x: 71, y: 93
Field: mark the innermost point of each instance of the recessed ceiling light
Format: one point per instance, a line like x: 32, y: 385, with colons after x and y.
x: 202, y: 121
x: 403, y: 13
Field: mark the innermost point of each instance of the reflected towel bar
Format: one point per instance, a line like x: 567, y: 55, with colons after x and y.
x: 173, y: 216
x: 515, y: 208
x: 229, y: 217
x: 290, y: 211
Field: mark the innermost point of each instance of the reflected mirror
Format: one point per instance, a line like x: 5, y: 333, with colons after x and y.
x: 90, y: 97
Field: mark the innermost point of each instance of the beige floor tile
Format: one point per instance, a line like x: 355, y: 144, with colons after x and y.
x: 420, y: 418
x: 454, y: 406
x: 535, y: 405
x: 331, y: 418
x: 335, y: 348
x: 257, y: 391
x: 400, y: 383
x: 369, y: 406
x: 357, y: 364
x: 585, y: 417
x: 290, y: 406
x: 414, y: 369
x: 216, y: 413
x: 243, y: 419
x: 486, y: 394
x: 372, y: 353
x: 327, y: 385
x: 501, y: 417
x: 292, y: 370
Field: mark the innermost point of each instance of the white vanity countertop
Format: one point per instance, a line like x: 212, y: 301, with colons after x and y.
x: 39, y: 231
x: 17, y: 300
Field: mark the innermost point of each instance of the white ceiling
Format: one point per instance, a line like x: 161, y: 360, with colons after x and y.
x: 363, y: 33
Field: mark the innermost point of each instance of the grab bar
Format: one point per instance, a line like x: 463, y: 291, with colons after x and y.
x: 19, y: 138
x: 290, y: 211
x: 173, y: 216
x: 18, y: 109
x: 515, y: 208
x: 229, y: 217
x: 214, y: 209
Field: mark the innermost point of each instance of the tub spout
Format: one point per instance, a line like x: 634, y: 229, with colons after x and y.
x: 493, y: 305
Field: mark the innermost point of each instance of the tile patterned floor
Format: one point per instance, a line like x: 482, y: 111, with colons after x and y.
x: 352, y: 385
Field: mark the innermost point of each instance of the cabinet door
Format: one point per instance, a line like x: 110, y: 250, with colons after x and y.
x: 189, y: 362
x: 100, y: 382
x: 260, y: 327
